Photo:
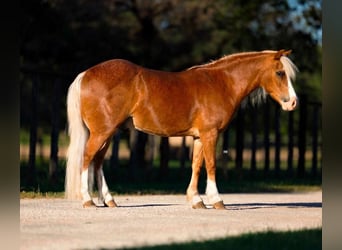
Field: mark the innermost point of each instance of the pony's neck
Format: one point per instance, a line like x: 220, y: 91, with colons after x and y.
x: 244, y: 73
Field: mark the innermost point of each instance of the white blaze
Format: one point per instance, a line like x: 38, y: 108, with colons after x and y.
x: 292, y: 92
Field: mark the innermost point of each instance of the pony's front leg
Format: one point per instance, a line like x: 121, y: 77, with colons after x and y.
x: 197, y: 162
x: 213, y: 195
x: 209, y: 148
x: 104, y: 195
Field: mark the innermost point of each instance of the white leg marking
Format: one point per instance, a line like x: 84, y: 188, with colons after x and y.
x: 212, y: 192
x: 196, y: 199
x: 104, y: 194
x: 84, y: 186
x: 197, y: 161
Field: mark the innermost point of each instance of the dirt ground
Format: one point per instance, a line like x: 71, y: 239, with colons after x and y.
x: 160, y: 219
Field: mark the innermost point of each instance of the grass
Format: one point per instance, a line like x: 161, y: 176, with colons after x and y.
x: 40, y: 195
x: 307, y: 239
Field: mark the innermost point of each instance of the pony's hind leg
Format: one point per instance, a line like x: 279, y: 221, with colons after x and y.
x: 95, y: 144
x: 104, y: 196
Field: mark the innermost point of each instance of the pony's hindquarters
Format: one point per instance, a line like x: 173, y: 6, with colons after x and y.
x: 78, y: 134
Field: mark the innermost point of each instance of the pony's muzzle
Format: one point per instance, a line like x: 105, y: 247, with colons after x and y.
x: 290, y: 104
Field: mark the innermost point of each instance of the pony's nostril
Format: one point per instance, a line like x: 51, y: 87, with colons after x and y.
x: 286, y: 99
x: 289, y: 104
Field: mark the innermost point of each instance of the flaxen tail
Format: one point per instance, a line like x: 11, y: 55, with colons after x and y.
x: 78, y: 134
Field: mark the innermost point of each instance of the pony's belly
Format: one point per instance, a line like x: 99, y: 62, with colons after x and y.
x: 165, y: 129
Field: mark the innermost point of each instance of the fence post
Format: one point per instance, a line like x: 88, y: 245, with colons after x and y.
x: 225, y: 153
x: 53, y: 165
x: 290, y: 144
x: 133, y: 157
x: 239, y: 139
x: 114, y: 158
x: 184, y: 154
x: 254, y: 139
x: 149, y: 154
x: 277, y: 140
x: 266, y: 135
x: 31, y: 178
x: 315, y: 127
x: 302, y: 135
x: 164, y: 157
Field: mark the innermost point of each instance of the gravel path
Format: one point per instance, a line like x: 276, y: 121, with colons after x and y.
x: 160, y: 219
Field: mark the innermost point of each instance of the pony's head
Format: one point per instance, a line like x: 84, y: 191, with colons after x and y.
x: 277, y: 79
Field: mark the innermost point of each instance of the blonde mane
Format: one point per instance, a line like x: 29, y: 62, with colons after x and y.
x: 226, y: 58
x: 289, y: 67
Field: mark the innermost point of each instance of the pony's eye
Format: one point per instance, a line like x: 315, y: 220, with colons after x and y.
x: 280, y: 73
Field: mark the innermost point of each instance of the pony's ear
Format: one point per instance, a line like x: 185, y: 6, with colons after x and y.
x: 281, y: 53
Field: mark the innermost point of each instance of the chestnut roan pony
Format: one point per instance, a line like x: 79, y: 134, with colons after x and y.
x: 197, y: 102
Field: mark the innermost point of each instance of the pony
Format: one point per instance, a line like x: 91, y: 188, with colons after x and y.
x: 199, y: 102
